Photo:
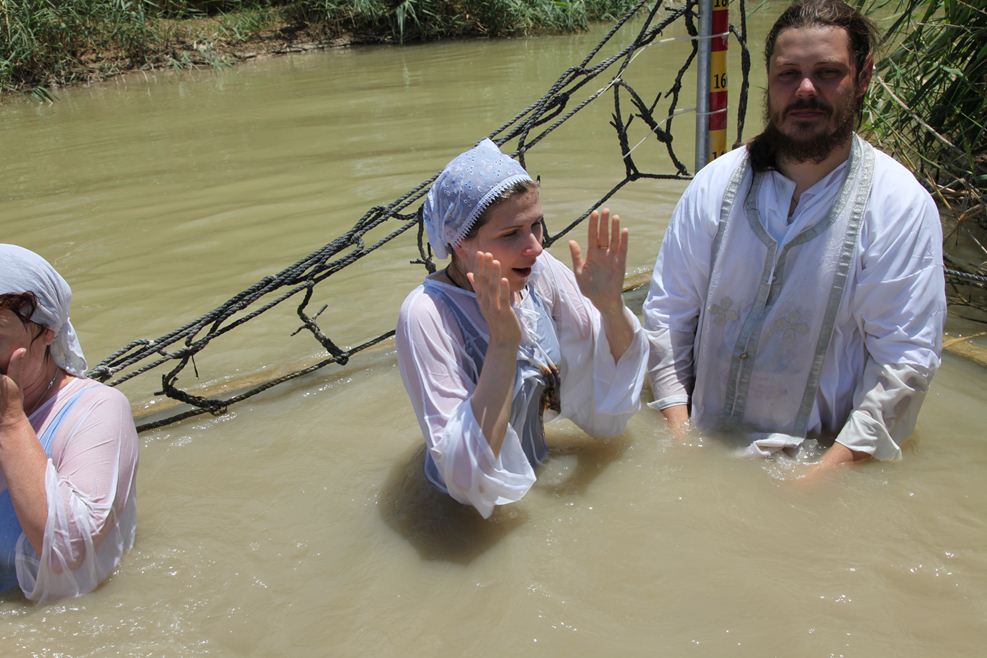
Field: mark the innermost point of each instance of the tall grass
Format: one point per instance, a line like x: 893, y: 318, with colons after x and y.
x: 43, y: 40
x: 50, y: 42
x: 928, y: 103
x: 423, y: 20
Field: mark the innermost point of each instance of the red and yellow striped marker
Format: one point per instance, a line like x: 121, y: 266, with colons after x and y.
x: 718, y: 80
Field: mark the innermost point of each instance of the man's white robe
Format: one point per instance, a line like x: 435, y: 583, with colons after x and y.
x: 754, y: 321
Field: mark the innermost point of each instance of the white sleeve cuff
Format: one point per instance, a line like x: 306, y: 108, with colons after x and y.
x: 471, y: 473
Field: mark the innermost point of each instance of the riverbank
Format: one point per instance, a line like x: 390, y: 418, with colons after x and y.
x: 44, y: 46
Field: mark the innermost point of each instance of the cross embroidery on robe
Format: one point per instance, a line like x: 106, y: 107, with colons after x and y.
x: 790, y: 325
x: 723, y: 312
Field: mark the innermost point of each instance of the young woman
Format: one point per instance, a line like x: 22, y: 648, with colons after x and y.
x: 505, y: 334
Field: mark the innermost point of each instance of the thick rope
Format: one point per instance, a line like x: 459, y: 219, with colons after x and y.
x: 656, y: 110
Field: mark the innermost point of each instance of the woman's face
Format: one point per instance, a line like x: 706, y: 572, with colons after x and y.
x: 14, y: 335
x: 512, y: 233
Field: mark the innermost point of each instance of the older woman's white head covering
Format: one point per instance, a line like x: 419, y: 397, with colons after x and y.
x: 23, y: 271
x: 467, y: 186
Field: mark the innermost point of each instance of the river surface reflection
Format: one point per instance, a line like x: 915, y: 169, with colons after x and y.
x: 299, y: 524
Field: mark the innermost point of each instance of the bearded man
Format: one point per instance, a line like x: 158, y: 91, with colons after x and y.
x: 799, y: 289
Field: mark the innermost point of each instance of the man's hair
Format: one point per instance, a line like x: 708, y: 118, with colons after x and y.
x: 863, y: 38
x: 827, y: 13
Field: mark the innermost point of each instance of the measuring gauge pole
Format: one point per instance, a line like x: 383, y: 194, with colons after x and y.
x: 718, y: 79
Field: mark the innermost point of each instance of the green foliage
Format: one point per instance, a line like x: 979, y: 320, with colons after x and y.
x: 423, y: 20
x: 42, y: 40
x: 49, y: 42
x: 246, y: 24
x: 927, y: 103
x: 193, y: 8
x: 606, y: 10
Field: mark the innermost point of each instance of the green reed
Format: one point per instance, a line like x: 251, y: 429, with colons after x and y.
x: 422, y: 20
x: 927, y: 102
x: 42, y: 41
x: 46, y: 43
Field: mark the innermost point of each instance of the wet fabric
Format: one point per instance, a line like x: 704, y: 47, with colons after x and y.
x: 468, y: 185
x: 88, y: 433
x: 537, y: 381
x: 441, y: 339
x: 22, y: 271
x: 10, y: 527
x: 749, y: 307
x: 763, y: 337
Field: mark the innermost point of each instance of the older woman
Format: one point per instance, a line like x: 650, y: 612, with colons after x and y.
x: 68, y: 447
x: 506, y: 333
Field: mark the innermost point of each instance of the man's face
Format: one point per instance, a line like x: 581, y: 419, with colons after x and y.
x: 813, y: 89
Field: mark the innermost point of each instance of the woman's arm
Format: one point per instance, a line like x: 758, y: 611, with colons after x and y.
x: 599, y: 393
x: 491, y: 401
x: 22, y: 459
x: 89, y: 488
x: 441, y: 376
x: 601, y: 277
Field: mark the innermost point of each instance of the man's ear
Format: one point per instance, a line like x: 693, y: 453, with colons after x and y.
x: 864, y: 77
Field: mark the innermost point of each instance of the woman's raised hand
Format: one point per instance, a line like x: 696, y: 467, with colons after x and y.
x: 600, y: 274
x: 11, y: 397
x: 493, y: 294
x: 491, y: 399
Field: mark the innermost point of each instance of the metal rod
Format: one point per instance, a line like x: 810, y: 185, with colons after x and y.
x: 702, y: 82
x: 719, y: 88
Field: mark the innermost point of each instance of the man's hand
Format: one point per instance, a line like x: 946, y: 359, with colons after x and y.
x: 677, y: 417
x: 837, y: 456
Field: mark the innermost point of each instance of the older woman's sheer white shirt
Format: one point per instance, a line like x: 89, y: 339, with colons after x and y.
x: 90, y: 484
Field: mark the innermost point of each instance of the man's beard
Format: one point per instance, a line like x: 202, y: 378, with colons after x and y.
x: 809, y: 144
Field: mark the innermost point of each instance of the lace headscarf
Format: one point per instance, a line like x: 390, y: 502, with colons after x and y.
x: 467, y: 186
x: 23, y: 271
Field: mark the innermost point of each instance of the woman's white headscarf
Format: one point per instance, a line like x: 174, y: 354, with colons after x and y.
x: 467, y: 186
x: 23, y: 271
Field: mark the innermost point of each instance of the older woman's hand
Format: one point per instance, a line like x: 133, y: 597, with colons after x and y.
x: 11, y: 398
